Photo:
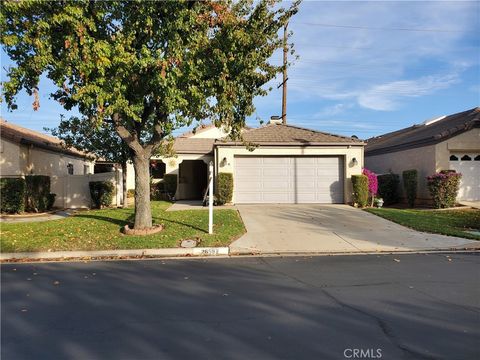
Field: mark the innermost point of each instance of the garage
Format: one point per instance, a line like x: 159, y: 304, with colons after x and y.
x: 468, y: 164
x: 289, y: 179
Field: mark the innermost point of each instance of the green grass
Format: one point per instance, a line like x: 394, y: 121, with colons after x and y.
x: 100, y: 230
x: 453, y: 223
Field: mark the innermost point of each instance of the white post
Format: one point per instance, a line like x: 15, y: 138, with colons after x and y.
x: 210, y: 197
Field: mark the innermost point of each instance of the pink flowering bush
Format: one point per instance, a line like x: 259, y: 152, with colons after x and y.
x: 372, y: 183
x: 443, y: 187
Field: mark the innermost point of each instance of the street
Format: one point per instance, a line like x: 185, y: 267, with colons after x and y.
x: 327, y: 307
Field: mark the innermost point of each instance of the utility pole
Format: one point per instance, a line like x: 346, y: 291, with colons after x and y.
x: 284, y: 95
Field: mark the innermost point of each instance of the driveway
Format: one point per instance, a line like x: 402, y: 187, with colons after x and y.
x: 329, y: 229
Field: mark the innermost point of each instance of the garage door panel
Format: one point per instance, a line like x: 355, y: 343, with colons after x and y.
x: 271, y: 179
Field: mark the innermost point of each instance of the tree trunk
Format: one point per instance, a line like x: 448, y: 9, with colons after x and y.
x: 124, y: 184
x: 143, y: 211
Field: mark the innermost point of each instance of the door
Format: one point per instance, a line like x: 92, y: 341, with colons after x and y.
x: 468, y: 164
x: 289, y: 179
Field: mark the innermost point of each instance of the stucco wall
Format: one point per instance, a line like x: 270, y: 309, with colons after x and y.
x: 226, y: 159
x: 467, y: 141
x: 213, y: 133
x: 422, y: 159
x: 44, y: 162
x: 12, y: 158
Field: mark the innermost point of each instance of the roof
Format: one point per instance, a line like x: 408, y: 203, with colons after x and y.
x: 280, y: 134
x: 428, y: 133
x: 21, y: 135
x: 185, y: 145
x: 201, y: 128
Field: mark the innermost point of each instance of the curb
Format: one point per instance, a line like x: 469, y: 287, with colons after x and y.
x: 246, y: 252
x: 137, y: 253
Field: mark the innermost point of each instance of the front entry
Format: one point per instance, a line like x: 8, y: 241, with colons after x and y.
x: 192, y: 180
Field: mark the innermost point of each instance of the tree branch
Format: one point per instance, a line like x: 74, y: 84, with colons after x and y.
x: 126, y: 136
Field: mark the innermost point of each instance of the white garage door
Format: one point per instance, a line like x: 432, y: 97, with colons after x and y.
x: 290, y: 180
x: 469, y: 165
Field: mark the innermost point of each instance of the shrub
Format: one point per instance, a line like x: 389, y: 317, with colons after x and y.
x: 372, y: 184
x: 170, y: 184
x: 157, y: 191
x: 50, y: 200
x: 37, y: 193
x: 410, y: 185
x: 388, y: 187
x: 360, y: 190
x: 443, y: 187
x: 101, y: 193
x: 130, y: 193
x: 224, y: 188
x: 12, y: 195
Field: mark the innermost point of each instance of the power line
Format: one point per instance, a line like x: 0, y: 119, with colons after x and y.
x: 379, y: 28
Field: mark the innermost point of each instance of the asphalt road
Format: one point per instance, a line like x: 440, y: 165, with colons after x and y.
x: 343, y: 307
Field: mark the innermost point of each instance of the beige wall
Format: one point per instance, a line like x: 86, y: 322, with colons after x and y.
x: 422, y: 159
x: 17, y: 159
x: 226, y: 159
x: 213, y: 133
x: 12, y: 158
x: 467, y: 141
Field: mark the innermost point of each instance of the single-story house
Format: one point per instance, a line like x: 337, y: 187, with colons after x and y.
x: 445, y: 143
x: 24, y: 151
x: 288, y: 164
x: 28, y: 152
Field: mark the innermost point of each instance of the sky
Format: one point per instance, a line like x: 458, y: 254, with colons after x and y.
x: 364, y: 68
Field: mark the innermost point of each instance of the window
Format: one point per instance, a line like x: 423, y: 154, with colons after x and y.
x: 453, y: 158
x: 157, y: 169
x: 70, y: 169
x: 477, y: 158
x: 466, y: 158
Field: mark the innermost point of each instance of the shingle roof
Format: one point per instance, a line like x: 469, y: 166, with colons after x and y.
x: 424, y: 134
x: 280, y: 134
x: 185, y: 145
x: 26, y: 136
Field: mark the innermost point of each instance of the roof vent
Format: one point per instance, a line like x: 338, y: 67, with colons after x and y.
x: 434, y: 120
x: 277, y: 120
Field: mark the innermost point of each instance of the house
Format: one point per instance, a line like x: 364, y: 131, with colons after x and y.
x: 27, y: 152
x: 448, y: 142
x: 24, y: 151
x: 288, y: 164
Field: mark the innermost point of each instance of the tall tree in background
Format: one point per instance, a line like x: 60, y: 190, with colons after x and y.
x: 146, y: 68
x: 102, y: 141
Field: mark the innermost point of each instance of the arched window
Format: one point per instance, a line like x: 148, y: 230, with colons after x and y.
x: 466, y: 158
x: 477, y: 158
x: 453, y: 158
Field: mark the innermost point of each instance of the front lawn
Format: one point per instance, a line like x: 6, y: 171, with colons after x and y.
x: 453, y: 222
x: 100, y: 230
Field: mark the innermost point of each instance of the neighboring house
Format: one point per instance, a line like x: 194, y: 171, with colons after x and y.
x: 448, y: 142
x: 24, y: 151
x: 27, y: 152
x: 288, y: 165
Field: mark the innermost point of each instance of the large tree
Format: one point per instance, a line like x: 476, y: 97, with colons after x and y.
x: 146, y: 67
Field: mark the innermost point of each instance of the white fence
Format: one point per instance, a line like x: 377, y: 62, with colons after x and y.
x: 73, y: 191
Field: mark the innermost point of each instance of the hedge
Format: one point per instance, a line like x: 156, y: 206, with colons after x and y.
x: 170, y: 184
x: 443, y: 187
x: 12, y: 195
x: 388, y: 188
x: 360, y: 190
x: 410, y: 185
x: 101, y: 193
x: 37, y: 193
x: 224, y: 188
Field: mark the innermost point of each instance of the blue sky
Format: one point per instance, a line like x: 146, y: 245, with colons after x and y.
x: 365, y: 68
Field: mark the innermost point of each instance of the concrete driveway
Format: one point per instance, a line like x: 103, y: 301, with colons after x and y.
x: 329, y: 229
